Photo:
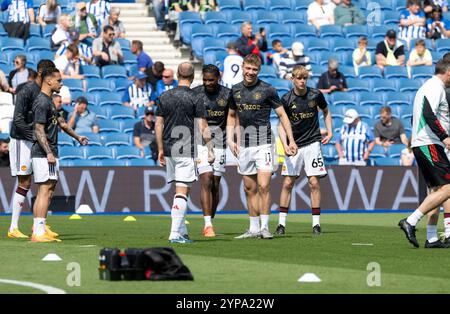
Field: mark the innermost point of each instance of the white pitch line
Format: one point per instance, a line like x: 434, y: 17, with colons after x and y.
x: 46, y: 289
x: 88, y: 245
x: 363, y: 244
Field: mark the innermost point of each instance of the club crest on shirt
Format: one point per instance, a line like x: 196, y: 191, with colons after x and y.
x: 311, y: 103
x: 257, y: 96
x: 221, y: 102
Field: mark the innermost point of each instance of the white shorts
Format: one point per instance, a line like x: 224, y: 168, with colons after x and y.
x: 180, y: 169
x: 43, y: 171
x: 254, y: 159
x: 345, y: 162
x: 311, y: 157
x: 20, y: 157
x: 203, y: 166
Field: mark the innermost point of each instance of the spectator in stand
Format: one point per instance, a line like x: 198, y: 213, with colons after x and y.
x: 249, y: 44
x: 144, y: 134
x: 347, y: 13
x: 66, y: 98
x: 175, y: 8
x: 203, y: 6
x: 144, y: 61
x: 113, y: 20
x: 154, y: 74
x: 49, y: 13
x: 100, y: 9
x: 32, y: 75
x: 354, y: 142
x: 437, y: 26
x: 166, y: 83
x: 277, y: 48
x: 159, y: 10
x: 429, y: 5
x: 389, y: 130
x: 332, y: 3
x: 4, y: 85
x: 140, y: 93
x: 320, y: 14
x: 332, y: 80
x: 61, y: 34
x: 85, y: 23
x: 361, y: 56
x: 57, y: 101
x: 420, y: 55
x: 412, y: 21
x: 20, y: 15
x: 20, y: 73
x: 106, y: 50
x: 4, y: 153
x: 390, y: 51
x: 407, y: 156
x: 285, y: 63
x: 82, y: 120
x: 84, y: 51
x: 231, y: 66
x: 69, y: 64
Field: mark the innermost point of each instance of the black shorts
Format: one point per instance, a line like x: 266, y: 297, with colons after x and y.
x: 434, y: 164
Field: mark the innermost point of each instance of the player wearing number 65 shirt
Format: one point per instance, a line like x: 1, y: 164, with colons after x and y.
x: 252, y: 101
x: 216, y: 100
x: 302, y: 105
x: 44, y: 151
x: 178, y: 112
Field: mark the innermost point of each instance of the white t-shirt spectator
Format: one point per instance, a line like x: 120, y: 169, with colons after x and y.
x: 321, y: 13
x: 367, y: 60
x: 47, y: 16
x: 64, y: 65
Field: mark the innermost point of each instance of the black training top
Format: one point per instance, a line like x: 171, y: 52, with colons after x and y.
x: 44, y: 112
x: 22, y: 124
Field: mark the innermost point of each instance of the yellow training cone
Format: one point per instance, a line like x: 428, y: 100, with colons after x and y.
x: 129, y: 218
x: 75, y: 217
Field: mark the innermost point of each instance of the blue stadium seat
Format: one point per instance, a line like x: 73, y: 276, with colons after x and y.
x: 386, y: 162
x: 436, y: 56
x: 121, y: 84
x: 84, y: 163
x: 265, y: 17
x: 355, y: 31
x: 212, y: 44
x: 109, y: 126
x: 90, y: 71
x: 9, y: 43
x: 98, y: 85
x: 238, y: 17
x: 342, y: 44
x: 329, y: 152
x: 3, y: 32
x: 369, y: 72
x: 130, y: 152
x: 326, y: 55
x: 317, y: 70
x: 116, y: 139
x: 379, y: 32
x: 43, y: 54
x: 406, y: 114
x: 6, y: 69
x: 267, y: 71
x: 214, y: 57
x: 69, y: 152
x: 355, y: 84
x: 330, y: 31
x: 47, y: 30
x: 395, y: 98
x: 37, y: 44
x: 293, y: 17
x: 378, y: 152
x: 407, y: 85
x: 442, y: 45
x: 344, y: 99
x: 230, y: 5
x: 365, y: 112
x: 141, y: 163
x: 348, y: 71
x: 279, y: 5
x: 74, y: 84
x: 395, y: 150
x: 108, y: 99
x: 186, y: 21
x: 279, y: 83
x: 114, y: 72
x: 129, y: 58
x: 215, y: 17
x: 304, y: 30
x: 422, y: 71
x: 127, y: 126
x: 301, y: 5
x: 199, y: 43
x: 225, y: 29
x: 383, y: 85
x: 201, y: 31
x: 395, y: 72
x: 226, y: 36
x: 370, y: 99
x: 390, y: 18
x: 315, y: 44
x: 94, y: 139
x: 276, y: 31
x: 92, y: 99
x: 253, y: 5
x: 97, y: 152
x: 400, y: 5
x: 111, y: 163
x: 65, y: 140
x: 121, y: 112
x: 35, y: 30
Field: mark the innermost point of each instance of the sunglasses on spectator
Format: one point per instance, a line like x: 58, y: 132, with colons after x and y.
x: 167, y: 76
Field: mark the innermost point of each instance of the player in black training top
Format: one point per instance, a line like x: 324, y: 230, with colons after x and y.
x: 252, y: 101
x: 44, y: 151
x: 302, y: 105
x: 20, y: 146
x: 216, y: 99
x: 177, y: 113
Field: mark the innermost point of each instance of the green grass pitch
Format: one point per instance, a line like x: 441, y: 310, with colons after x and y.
x: 225, y: 265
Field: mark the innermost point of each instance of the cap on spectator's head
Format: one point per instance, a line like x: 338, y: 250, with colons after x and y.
x: 81, y: 5
x: 391, y: 34
x: 81, y: 100
x: 297, y: 49
x: 140, y: 75
x: 350, y: 116
x: 74, y: 34
x: 148, y: 110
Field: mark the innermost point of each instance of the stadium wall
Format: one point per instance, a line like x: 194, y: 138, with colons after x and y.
x: 137, y: 189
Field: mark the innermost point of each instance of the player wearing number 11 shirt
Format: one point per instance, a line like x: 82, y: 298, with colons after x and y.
x: 302, y: 105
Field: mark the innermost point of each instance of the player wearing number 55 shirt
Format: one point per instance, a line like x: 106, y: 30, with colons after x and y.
x: 302, y: 105
x: 252, y: 101
x: 216, y: 100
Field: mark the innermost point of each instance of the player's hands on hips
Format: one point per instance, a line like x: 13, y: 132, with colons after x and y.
x: 293, y: 148
x: 51, y: 159
x: 211, y: 156
x: 161, y: 159
x: 327, y: 139
x: 83, y: 140
x: 447, y: 142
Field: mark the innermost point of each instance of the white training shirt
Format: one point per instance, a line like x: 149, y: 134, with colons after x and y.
x: 232, y: 70
x: 432, y: 91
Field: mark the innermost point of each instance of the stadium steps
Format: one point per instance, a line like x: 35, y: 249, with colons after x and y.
x: 140, y: 26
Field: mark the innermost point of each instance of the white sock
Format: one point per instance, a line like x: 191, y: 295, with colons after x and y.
x: 315, y: 220
x: 254, y: 224
x: 18, y: 201
x: 447, y: 227
x: 432, y: 235
x: 414, y: 218
x: 39, y: 226
x: 183, y: 227
x: 265, y: 222
x: 282, y: 219
x: 177, y: 213
x: 208, y: 221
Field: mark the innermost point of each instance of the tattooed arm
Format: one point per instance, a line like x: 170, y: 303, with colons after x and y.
x: 39, y: 132
x: 83, y: 140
